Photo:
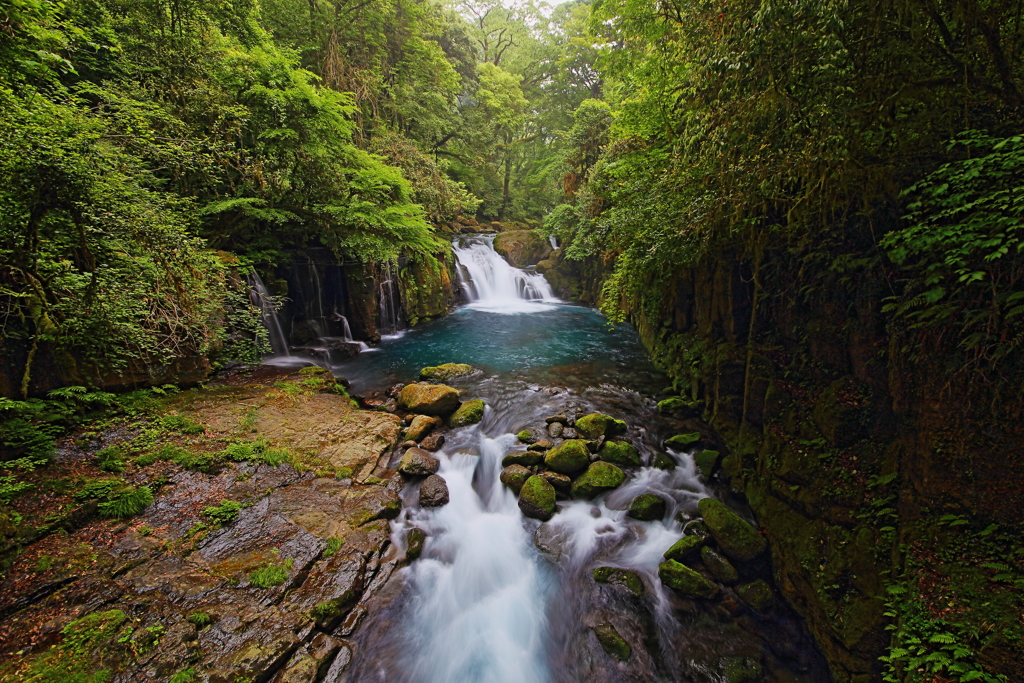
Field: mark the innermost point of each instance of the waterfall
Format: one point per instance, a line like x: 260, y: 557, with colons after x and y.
x: 491, y: 284
x: 261, y: 298
x: 389, y: 302
x: 554, y: 241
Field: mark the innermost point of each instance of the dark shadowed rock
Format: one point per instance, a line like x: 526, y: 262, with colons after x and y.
x: 433, y: 492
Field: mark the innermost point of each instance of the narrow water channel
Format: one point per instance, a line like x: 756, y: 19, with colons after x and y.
x: 497, y: 597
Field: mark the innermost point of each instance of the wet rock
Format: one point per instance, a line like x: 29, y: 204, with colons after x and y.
x: 568, y: 457
x: 697, y: 528
x: 598, y: 424
x: 429, y: 399
x: 417, y: 462
x: 718, y: 566
x: 408, y: 444
x: 663, y: 461
x: 629, y: 580
x: 446, y: 371
x: 526, y: 436
x: 537, y: 499
x: 433, y: 442
x: 394, y: 390
x: 612, y: 642
x: 376, y: 503
x: 331, y: 589
x: 569, y: 433
x: 551, y: 540
x: 469, y: 413
x: 682, y: 441
x: 619, y: 453
x: 600, y: 476
x: 561, y: 482
x: 757, y: 594
x: 514, y: 476
x: 647, y: 507
x: 685, y: 549
x: 595, y: 445
x: 555, y: 418
x: 679, y: 407
x: 306, y: 664
x: 525, y: 458
x: 541, y: 446
x: 734, y: 535
x: 555, y: 430
x: 414, y: 540
x: 686, y: 581
x: 433, y: 492
x: 707, y: 461
x: 387, y: 405
x: 742, y: 670
x: 419, y: 427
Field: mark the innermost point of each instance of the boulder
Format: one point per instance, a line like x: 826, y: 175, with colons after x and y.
x: 706, y: 462
x: 718, y: 566
x: 417, y: 462
x: 537, y: 498
x: 568, y: 457
x: 599, y: 424
x: 629, y: 580
x: 600, y: 476
x: 541, y: 446
x: 612, y: 642
x: 685, y: 549
x: 419, y: 427
x: 555, y: 430
x: 734, y: 535
x: 469, y: 413
x: 446, y: 371
x: 429, y: 399
x: 686, y: 581
x: 526, y: 436
x: 569, y: 433
x: 682, y: 441
x: 525, y: 458
x: 414, y: 540
x: 561, y: 482
x: 757, y: 594
x: 663, y: 461
x: 647, y: 507
x: 555, y: 418
x: 514, y: 476
x: 619, y: 453
x: 433, y: 442
x: 433, y: 492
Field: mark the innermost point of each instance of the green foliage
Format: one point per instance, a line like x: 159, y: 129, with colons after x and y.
x: 79, y: 656
x: 333, y: 546
x: 224, y: 513
x: 188, y: 675
x: 257, y: 451
x: 117, y: 498
x: 268, y: 576
x: 199, y: 619
x: 182, y: 424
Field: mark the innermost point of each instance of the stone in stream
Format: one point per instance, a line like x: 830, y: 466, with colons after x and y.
x: 525, y: 458
x: 526, y: 436
x: 686, y: 581
x: 595, y: 445
x: 569, y: 433
x: 433, y: 442
x: 537, y: 499
x: 414, y: 540
x: 555, y: 430
x: 446, y: 371
x: 555, y: 418
x: 469, y: 413
x: 685, y: 549
x: 599, y: 477
x: 663, y: 461
x: 514, y: 476
x: 619, y: 453
x: 429, y: 399
x: 629, y: 580
x: 417, y: 462
x: 706, y: 462
x: 757, y: 594
x: 561, y: 482
x: 543, y: 445
x: 647, y: 507
x: 433, y: 492
x: 718, y: 566
x: 612, y: 642
x: 734, y: 535
x: 681, y: 441
x: 408, y: 444
x: 598, y: 424
x: 568, y: 457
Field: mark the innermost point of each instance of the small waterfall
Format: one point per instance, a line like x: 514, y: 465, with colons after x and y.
x: 490, y: 283
x: 389, y: 302
x: 261, y: 298
x: 554, y: 241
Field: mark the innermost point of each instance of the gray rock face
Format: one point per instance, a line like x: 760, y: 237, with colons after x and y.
x: 417, y: 462
x: 433, y: 492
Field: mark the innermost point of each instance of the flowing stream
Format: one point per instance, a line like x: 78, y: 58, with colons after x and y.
x: 497, y: 597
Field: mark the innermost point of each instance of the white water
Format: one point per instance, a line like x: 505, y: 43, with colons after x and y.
x: 491, y: 284
x: 261, y: 298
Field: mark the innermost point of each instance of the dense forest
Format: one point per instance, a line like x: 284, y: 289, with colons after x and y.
x: 803, y: 208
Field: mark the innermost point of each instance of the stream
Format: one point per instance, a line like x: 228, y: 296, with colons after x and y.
x: 497, y: 597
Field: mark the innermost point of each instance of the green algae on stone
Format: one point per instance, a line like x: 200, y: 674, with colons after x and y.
x: 706, y: 461
x: 612, y: 642
x: 537, y: 498
x: 526, y: 458
x: 686, y: 548
x: 663, y: 461
x: 629, y: 580
x: 568, y: 457
x: 600, y: 476
x: 526, y: 436
x: 446, y: 371
x: 686, y: 581
x: 429, y: 399
x: 682, y: 440
x: 647, y: 507
x: 469, y: 413
x: 599, y: 424
x: 734, y: 535
x: 718, y: 566
x: 514, y: 476
x: 619, y: 453
x: 671, y: 405
x: 414, y: 540
x: 757, y: 594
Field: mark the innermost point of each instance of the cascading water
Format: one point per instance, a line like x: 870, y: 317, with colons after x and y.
x: 491, y: 284
x: 389, y: 302
x: 261, y: 298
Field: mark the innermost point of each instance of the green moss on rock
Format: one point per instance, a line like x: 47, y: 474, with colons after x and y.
x: 599, y: 424
x: 757, y: 594
x: 612, y: 642
x: 629, y: 580
x: 469, y: 413
x: 685, y: 549
x: 526, y: 436
x: 680, y: 441
x: 525, y: 458
x: 663, y: 461
x: 734, y: 535
x: 537, y: 498
x: 718, y: 566
x: 568, y: 457
x: 647, y: 507
x: 619, y: 453
x: 429, y: 399
x: 686, y: 581
x: 514, y: 476
x: 445, y: 371
x: 414, y: 540
x: 600, y: 476
x: 706, y: 462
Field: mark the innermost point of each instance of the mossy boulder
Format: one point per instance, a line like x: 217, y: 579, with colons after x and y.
x: 561, y: 482
x: 537, y: 498
x: 686, y: 581
x: 542, y: 445
x: 706, y: 461
x: 525, y: 458
x: 600, y: 476
x: 629, y: 580
x: 417, y: 462
x: 647, y: 507
x: 685, y: 549
x: 469, y: 413
x: 447, y: 371
x: 679, y: 407
x: 419, y: 427
x: 414, y: 540
x: 612, y: 642
x: 718, y: 566
x: 757, y: 594
x: 682, y: 441
x: 568, y: 457
x: 526, y: 436
x: 429, y: 399
x: 599, y: 424
x: 734, y: 535
x: 619, y: 453
x: 663, y: 461
x: 514, y: 476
